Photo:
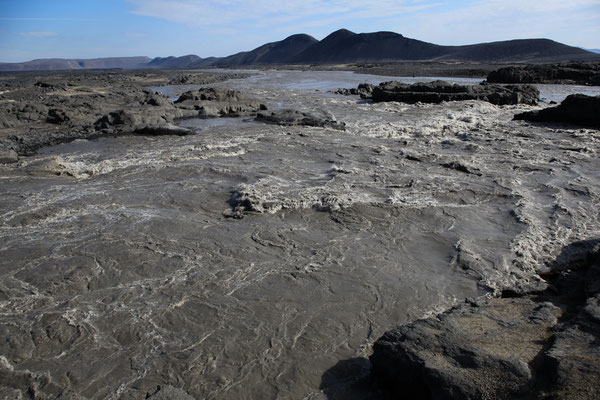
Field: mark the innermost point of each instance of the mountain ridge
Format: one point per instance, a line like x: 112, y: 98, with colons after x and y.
x: 340, y: 47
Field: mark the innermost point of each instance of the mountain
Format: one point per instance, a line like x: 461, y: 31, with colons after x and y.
x: 173, y: 62
x: 281, y: 52
x: 61, y: 64
x: 344, y: 46
x: 522, y: 50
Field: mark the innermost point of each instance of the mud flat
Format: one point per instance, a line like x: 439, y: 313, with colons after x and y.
x: 123, y: 274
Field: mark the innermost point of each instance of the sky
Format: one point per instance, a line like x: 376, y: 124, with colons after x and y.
x: 32, y: 29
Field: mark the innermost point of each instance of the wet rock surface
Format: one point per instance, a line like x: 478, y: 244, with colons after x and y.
x: 536, y: 345
x: 440, y: 91
x: 580, y: 73
x: 576, y: 109
x: 120, y: 273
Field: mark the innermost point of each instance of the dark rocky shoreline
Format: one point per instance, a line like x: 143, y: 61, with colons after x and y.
x: 580, y: 73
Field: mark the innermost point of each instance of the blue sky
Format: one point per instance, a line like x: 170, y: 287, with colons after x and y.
x: 32, y: 29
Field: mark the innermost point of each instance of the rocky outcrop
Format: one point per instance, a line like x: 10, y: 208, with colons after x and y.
x: 60, y: 107
x: 364, y: 90
x: 288, y: 117
x: 540, y: 345
x: 200, y: 78
x: 441, y: 91
x: 577, y: 109
x: 215, y: 102
x: 579, y: 73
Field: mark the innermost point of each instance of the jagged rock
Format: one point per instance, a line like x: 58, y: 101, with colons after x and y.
x: 130, y: 121
x: 475, y: 351
x: 58, y: 116
x: 440, y: 91
x: 364, y: 90
x: 216, y: 102
x: 31, y: 112
x: 288, y: 117
x: 154, y: 99
x: 579, y: 73
x: 576, y: 109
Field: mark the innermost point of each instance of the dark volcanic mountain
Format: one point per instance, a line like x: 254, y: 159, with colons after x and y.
x: 344, y: 46
x: 282, y: 52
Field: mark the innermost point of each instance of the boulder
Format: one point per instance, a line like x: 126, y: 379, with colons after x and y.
x: 475, y: 351
x: 288, y: 117
x: 577, y: 109
x: 441, y: 91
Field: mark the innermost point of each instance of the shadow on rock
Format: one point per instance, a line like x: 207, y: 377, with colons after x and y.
x: 351, y: 380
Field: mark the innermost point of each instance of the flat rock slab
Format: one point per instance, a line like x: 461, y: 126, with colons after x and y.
x: 441, y: 91
x: 577, y: 109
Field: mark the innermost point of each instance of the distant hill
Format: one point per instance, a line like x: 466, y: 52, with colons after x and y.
x: 523, y: 50
x: 173, y: 62
x: 342, y: 47
x: 61, y: 64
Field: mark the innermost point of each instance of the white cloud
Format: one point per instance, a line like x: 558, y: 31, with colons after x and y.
x: 38, y: 34
x: 210, y: 13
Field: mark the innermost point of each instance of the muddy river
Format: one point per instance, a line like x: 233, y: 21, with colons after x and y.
x: 119, y: 270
